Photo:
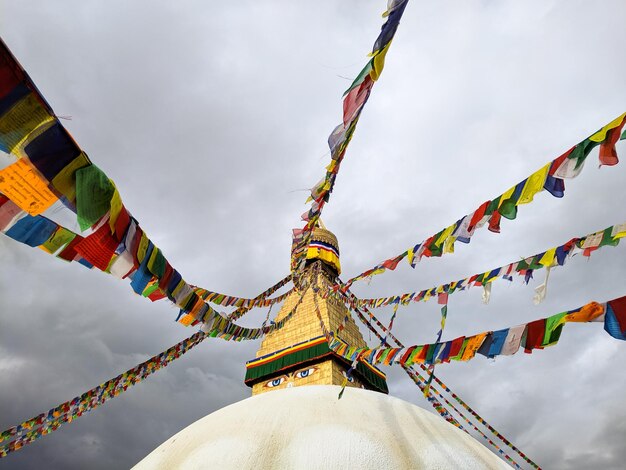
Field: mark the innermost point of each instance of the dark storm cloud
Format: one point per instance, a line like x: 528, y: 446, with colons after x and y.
x: 211, y: 118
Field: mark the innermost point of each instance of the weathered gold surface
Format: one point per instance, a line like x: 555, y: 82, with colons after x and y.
x: 303, y: 326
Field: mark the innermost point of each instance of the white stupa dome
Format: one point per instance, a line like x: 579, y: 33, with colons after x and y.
x: 308, y: 427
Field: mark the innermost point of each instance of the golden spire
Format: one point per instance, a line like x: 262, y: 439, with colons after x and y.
x: 298, y: 354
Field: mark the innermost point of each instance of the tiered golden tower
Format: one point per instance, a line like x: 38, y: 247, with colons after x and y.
x: 298, y: 354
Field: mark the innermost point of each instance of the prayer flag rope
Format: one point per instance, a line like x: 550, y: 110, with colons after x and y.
x: 353, y: 102
x: 143, y: 268
x: 45, y: 423
x: 220, y: 326
x: 419, y: 381
x: 443, y: 299
x: 232, y: 301
x: 241, y: 311
x: 41, y: 232
x: 537, y: 334
x: 526, y: 267
x: 50, y: 171
x: 416, y: 378
x: 548, y: 178
x: 34, y: 428
x: 223, y: 328
x: 433, y: 395
x: 351, y: 299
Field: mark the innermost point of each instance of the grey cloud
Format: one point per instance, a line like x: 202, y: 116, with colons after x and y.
x: 211, y: 118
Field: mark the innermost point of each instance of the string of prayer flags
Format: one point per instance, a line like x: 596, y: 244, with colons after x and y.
x: 390, y: 327
x: 133, y: 256
x: 420, y: 382
x: 537, y: 334
x: 241, y: 311
x: 221, y: 327
x: 94, y: 250
x: 51, y: 168
x: 549, y: 259
x: 443, y: 299
x: 354, y: 100
x: 232, y: 301
x: 449, y: 418
x: 548, y: 178
x: 32, y: 429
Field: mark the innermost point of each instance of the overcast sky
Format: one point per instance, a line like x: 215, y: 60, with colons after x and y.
x: 212, y: 119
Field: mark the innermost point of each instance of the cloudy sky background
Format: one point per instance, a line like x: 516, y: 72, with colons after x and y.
x: 212, y: 119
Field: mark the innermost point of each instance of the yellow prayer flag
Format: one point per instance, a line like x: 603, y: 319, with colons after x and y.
x: 473, y: 344
x: 23, y: 184
x: 448, y: 245
x: 116, y: 208
x: 187, y: 319
x: 152, y: 259
x: 179, y: 287
x: 60, y: 238
x: 143, y: 247
x: 18, y: 124
x: 547, y: 259
x: 379, y: 62
x: 445, y: 234
x: 601, y: 134
x: 410, y: 255
x: 65, y: 181
x: 508, y: 193
x: 534, y: 184
x: 587, y: 313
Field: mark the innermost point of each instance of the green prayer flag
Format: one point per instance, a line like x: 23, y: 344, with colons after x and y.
x: 493, y: 205
x: 534, y: 262
x: 383, y: 356
x: 582, y: 150
x: 60, y: 238
x: 158, y: 267
x: 431, y: 352
x: 411, y: 359
x: 553, y: 329
x: 508, y: 209
x: 94, y: 192
x: 607, y: 238
x: 361, y: 77
x: 461, y: 351
x: 149, y: 290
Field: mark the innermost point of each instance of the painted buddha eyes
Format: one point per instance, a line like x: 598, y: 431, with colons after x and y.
x: 276, y: 382
x: 305, y: 372
x: 290, y: 377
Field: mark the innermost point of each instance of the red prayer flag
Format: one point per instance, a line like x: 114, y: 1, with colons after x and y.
x: 69, y: 252
x: 457, y: 344
x: 98, y: 248
x: 619, y: 309
x: 356, y: 99
x: 608, y: 154
x: 122, y: 223
x: 478, y: 215
x: 494, y: 222
x: 535, y: 332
